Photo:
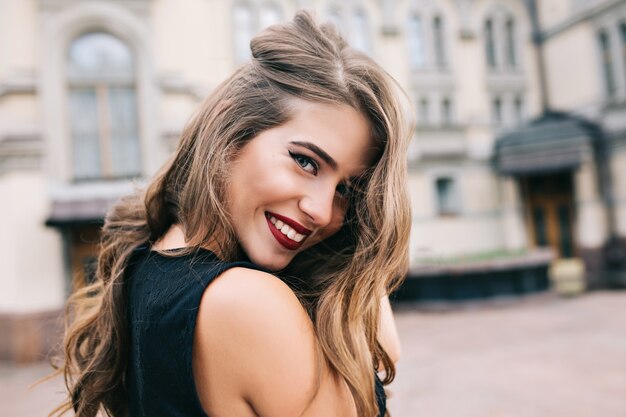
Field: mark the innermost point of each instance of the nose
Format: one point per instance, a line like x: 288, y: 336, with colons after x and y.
x: 318, y: 205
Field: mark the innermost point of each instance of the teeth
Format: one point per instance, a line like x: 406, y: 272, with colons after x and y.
x: 286, y: 230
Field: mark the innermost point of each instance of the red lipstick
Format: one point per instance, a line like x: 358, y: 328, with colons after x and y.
x: 280, y: 237
x: 291, y: 223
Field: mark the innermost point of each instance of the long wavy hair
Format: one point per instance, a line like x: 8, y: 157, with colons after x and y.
x: 339, y: 281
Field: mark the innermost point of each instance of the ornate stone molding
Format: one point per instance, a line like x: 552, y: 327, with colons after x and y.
x: 390, y: 27
x: 20, y: 151
x: 63, y: 20
x: 178, y: 85
x: 466, y: 28
x: 137, y: 6
x: 18, y: 84
x: 585, y: 14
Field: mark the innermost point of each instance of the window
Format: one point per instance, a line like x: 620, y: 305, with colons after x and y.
x: 438, y: 36
x: 417, y: 55
x: 497, y: 111
x: 446, y: 112
x: 501, y: 40
x: 103, y: 108
x: 607, y: 62
x: 447, y: 197
x: 490, y: 45
x: 511, y: 58
x: 243, y: 30
x: 361, y: 32
x: 423, y: 113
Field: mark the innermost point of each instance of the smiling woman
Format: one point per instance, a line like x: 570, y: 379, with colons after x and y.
x: 291, y: 181
x: 251, y: 277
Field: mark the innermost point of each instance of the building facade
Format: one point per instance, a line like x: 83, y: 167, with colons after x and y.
x: 93, y: 95
x: 594, y: 33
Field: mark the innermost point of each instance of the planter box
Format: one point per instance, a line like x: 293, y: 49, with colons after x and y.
x: 568, y: 276
x: 478, y: 280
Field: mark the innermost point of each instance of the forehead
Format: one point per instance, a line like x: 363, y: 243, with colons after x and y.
x: 340, y: 130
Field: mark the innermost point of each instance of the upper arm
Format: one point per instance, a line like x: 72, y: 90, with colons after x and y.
x: 254, y: 348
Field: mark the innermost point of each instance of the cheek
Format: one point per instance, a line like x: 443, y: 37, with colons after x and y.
x: 264, y: 181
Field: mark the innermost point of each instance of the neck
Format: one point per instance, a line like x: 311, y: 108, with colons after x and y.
x: 174, y: 238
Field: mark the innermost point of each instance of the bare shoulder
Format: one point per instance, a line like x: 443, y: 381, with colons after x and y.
x: 262, y: 309
x: 247, y: 290
x: 254, y: 347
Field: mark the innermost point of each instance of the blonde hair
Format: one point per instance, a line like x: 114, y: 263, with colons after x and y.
x: 364, y: 260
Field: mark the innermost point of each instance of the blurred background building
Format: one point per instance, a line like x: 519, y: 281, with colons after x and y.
x: 520, y: 141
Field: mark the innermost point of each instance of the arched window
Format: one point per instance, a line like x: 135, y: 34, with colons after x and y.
x: 243, y: 30
x: 103, y: 108
x: 269, y: 15
x: 511, y: 54
x: 439, y: 40
x: 415, y: 37
x: 490, y: 44
x: 361, y: 32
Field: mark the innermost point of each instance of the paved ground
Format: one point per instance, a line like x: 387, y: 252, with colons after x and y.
x: 543, y: 357
x: 539, y: 357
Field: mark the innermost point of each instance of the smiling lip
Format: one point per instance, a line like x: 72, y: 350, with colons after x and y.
x: 291, y: 223
x: 280, y: 237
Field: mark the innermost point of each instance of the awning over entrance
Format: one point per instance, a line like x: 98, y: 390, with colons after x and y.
x: 553, y: 142
x: 67, y: 213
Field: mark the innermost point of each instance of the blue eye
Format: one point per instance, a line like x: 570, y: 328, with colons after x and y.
x: 307, y: 164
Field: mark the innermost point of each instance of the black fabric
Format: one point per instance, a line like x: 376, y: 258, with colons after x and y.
x: 164, y: 294
x: 381, y: 397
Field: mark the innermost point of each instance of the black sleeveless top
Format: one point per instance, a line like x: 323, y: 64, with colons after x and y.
x: 164, y: 295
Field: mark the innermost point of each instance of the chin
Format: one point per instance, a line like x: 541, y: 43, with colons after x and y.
x: 271, y: 262
x: 273, y: 266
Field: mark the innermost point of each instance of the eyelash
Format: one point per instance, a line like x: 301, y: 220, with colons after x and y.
x: 303, y: 161
x: 343, y: 190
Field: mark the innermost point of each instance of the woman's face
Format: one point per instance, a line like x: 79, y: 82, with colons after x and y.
x: 290, y: 185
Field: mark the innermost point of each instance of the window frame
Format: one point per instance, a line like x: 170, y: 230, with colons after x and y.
x: 439, y: 42
x: 102, y: 85
x: 416, y: 40
x: 433, y: 39
x: 455, y: 194
x: 607, y: 62
x: 501, y: 40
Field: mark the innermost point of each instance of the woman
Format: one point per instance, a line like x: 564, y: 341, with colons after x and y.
x: 286, y: 195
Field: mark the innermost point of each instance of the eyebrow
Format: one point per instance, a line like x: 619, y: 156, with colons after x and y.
x: 318, y: 151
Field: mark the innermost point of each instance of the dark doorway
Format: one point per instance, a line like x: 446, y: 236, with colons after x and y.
x: 549, y: 205
x: 83, y: 251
